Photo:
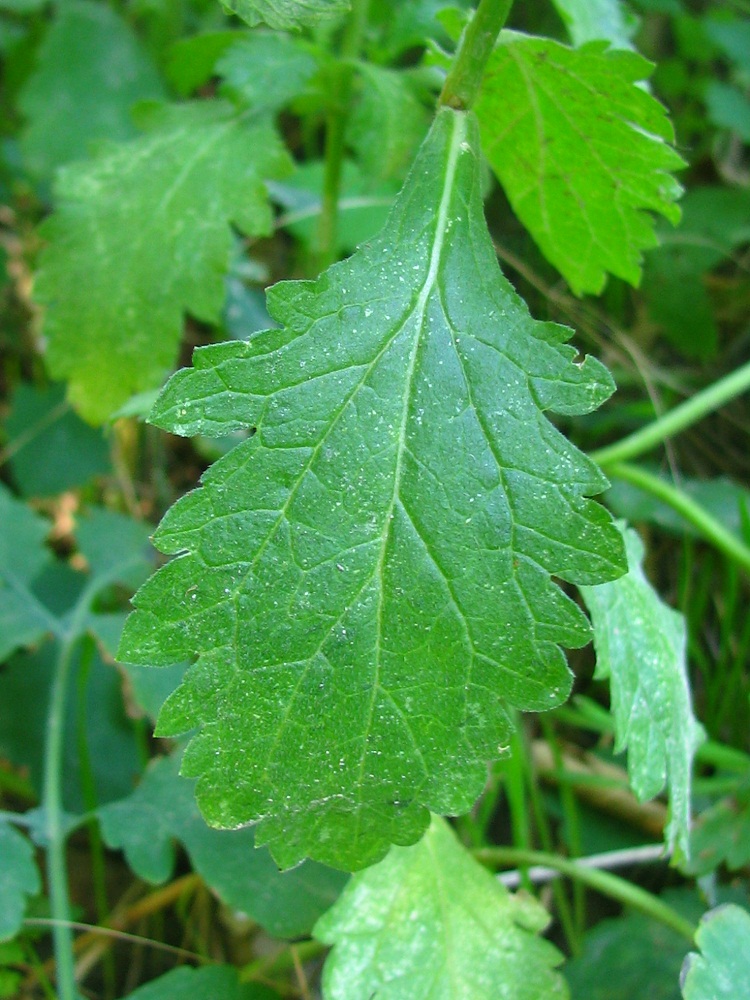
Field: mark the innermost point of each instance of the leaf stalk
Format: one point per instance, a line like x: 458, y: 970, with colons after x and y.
x: 474, y: 49
x: 602, y: 881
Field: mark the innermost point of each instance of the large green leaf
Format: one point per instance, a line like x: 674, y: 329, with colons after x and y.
x: 641, y: 647
x: 582, y: 152
x: 19, y: 878
x: 143, y: 234
x: 430, y: 923
x: 89, y: 73
x: 366, y: 579
x: 722, y: 971
x: 285, y: 13
x: 162, y: 810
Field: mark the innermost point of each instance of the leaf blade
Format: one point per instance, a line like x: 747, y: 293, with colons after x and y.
x: 369, y: 598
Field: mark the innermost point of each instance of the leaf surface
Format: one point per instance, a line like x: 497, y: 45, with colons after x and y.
x: 90, y: 71
x: 19, y: 878
x: 722, y: 970
x: 582, y: 152
x: 721, y: 834
x: 141, y: 235
x: 640, y: 646
x: 265, y: 71
x: 366, y: 579
x: 162, y: 810
x: 285, y: 14
x: 429, y: 922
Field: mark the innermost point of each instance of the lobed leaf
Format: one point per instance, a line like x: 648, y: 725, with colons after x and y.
x: 429, y: 922
x: 285, y: 14
x: 162, y: 810
x: 640, y: 646
x: 722, y: 971
x: 721, y: 834
x: 582, y: 152
x: 143, y: 234
x: 19, y: 878
x: 366, y: 579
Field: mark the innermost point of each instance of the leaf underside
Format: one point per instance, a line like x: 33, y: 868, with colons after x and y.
x: 366, y: 579
x: 141, y: 235
x: 429, y: 922
x: 582, y: 152
x: 641, y: 646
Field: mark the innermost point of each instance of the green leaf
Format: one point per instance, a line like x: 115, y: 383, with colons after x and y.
x: 633, y: 955
x: 191, y: 61
x: 429, y: 922
x: 388, y: 122
x: 159, y: 209
x: 52, y: 449
x: 90, y: 71
x: 589, y: 20
x: 721, y: 834
x: 582, y: 152
x: 285, y: 14
x: 722, y: 971
x: 19, y: 878
x: 640, y: 646
x: 162, y: 810
x: 216, y: 983
x: 366, y: 579
x: 265, y: 71
x: 729, y: 107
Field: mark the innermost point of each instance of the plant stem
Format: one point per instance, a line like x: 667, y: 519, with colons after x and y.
x: 56, y: 866
x: 341, y: 84
x: 678, y: 419
x: 465, y: 76
x: 711, y: 529
x: 602, y: 881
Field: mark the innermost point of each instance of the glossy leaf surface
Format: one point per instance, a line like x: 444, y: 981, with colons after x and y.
x: 159, y: 209
x: 366, y: 579
x: 582, y: 152
x: 430, y: 923
x: 640, y: 646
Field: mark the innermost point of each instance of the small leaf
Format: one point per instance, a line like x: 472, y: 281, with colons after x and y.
x: 388, y: 122
x: 429, y: 922
x: 160, y: 209
x: 191, y: 61
x: 582, y: 153
x: 216, y: 983
x: 162, y: 810
x: 722, y: 971
x: 721, y: 834
x: 265, y: 71
x: 641, y: 647
x: 285, y: 14
x: 19, y: 878
x: 366, y: 579
x: 90, y: 71
x: 590, y: 20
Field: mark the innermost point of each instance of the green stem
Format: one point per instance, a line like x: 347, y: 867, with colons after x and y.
x: 56, y: 836
x: 338, y: 113
x: 678, y: 419
x: 477, y: 42
x: 605, y: 882
x: 708, y: 526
